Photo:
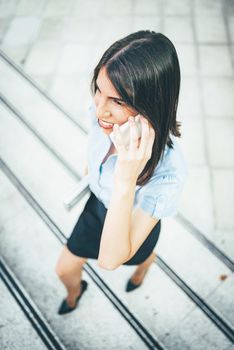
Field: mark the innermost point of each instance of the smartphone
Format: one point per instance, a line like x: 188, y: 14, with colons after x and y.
x: 125, y: 131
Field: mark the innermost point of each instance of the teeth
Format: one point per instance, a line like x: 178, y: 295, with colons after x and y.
x: 106, y: 123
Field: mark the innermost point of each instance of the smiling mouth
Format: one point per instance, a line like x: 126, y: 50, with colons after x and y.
x: 105, y: 125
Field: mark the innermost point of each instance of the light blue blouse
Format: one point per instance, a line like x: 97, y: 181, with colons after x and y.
x: 159, y: 197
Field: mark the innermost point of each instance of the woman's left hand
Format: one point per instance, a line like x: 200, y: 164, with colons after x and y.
x: 130, y: 162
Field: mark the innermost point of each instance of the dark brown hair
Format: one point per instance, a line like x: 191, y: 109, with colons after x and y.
x: 144, y: 69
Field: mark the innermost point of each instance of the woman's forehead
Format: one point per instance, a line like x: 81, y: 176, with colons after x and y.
x: 105, y: 85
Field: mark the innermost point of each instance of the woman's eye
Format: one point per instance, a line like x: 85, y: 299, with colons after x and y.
x: 118, y: 102
x: 115, y: 101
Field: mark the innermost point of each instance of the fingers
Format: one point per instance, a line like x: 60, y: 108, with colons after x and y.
x: 146, y: 142
x: 150, y: 143
x: 144, y: 134
x: 119, y: 144
x: 133, y: 135
x: 147, y: 138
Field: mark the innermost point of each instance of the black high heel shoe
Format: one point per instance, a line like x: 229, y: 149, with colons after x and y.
x: 65, y: 308
x: 131, y: 286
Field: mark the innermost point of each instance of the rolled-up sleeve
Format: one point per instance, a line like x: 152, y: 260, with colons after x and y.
x: 160, y: 198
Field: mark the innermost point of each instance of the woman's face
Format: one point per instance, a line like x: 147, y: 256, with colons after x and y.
x: 110, y: 108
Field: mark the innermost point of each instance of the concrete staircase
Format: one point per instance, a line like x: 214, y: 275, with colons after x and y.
x: 185, y: 301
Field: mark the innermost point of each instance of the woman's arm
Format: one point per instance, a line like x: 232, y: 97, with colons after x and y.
x: 115, y: 243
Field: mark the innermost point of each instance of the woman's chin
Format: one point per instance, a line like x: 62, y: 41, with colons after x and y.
x: 107, y: 131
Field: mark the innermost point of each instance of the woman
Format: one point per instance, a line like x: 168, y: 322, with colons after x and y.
x: 132, y: 187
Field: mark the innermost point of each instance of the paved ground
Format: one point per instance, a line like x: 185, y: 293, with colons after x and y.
x: 57, y: 43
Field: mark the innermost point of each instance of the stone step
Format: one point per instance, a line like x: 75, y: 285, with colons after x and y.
x: 203, y: 272
x: 25, y: 310
x: 37, y: 168
x: 16, y: 332
x: 56, y: 130
x: 31, y: 251
x: 43, y: 191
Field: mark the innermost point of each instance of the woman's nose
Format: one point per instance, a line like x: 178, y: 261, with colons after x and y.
x: 102, y: 111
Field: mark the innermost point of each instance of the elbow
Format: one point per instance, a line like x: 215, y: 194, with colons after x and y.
x: 110, y: 263
x: 107, y: 266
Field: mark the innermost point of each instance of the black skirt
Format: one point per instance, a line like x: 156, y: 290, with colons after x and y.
x: 86, y: 235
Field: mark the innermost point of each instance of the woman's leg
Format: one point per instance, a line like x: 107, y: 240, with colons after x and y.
x: 142, y: 269
x: 69, y: 270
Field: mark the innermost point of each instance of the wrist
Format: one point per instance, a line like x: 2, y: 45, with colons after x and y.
x: 124, y: 184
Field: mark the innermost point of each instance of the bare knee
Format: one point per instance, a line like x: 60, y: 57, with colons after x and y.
x: 64, y: 270
x: 68, y: 263
x: 60, y: 270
